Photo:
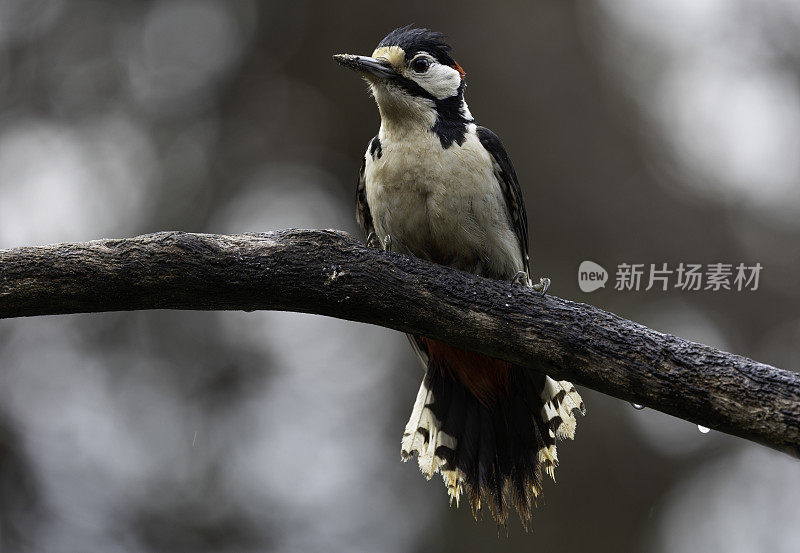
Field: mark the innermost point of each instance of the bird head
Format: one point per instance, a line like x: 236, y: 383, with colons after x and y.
x: 412, y: 75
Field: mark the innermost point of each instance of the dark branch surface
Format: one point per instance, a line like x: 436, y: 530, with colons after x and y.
x: 329, y: 273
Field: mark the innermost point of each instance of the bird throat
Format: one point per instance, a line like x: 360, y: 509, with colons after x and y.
x: 404, y: 116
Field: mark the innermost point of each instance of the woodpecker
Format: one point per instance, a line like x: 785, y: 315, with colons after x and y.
x: 435, y: 185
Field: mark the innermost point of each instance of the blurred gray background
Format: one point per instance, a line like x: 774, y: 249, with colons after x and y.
x: 663, y: 131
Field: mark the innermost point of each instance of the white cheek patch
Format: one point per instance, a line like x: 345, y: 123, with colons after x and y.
x: 441, y: 81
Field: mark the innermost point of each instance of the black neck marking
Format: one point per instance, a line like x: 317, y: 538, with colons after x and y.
x: 451, y: 120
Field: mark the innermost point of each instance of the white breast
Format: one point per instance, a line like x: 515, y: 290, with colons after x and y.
x: 440, y: 204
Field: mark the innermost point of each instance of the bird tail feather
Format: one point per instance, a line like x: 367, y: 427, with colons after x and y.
x: 494, y: 453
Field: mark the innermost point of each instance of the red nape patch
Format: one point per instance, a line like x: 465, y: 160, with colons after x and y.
x: 458, y: 68
x: 486, y: 377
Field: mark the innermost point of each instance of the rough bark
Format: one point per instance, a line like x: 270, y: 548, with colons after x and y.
x: 329, y: 273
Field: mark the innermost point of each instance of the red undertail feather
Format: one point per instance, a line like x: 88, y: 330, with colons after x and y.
x: 485, y: 377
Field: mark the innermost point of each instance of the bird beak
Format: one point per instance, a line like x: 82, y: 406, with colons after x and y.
x: 381, y: 69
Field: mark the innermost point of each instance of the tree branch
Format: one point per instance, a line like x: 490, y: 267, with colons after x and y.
x: 329, y: 273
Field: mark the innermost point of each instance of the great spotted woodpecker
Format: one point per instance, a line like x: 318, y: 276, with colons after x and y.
x: 435, y: 185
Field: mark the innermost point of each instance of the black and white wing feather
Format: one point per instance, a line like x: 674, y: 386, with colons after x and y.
x: 507, y: 177
x: 363, y: 213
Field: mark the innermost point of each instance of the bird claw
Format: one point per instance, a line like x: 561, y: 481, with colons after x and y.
x: 372, y: 240
x: 543, y: 285
x: 520, y: 278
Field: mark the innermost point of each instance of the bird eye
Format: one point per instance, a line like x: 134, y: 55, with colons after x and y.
x: 420, y: 65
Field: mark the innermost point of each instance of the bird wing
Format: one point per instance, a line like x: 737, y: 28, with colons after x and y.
x: 512, y: 193
x: 363, y: 214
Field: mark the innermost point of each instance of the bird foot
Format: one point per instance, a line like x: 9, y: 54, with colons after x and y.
x: 522, y: 278
x: 372, y: 240
x: 542, y: 286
